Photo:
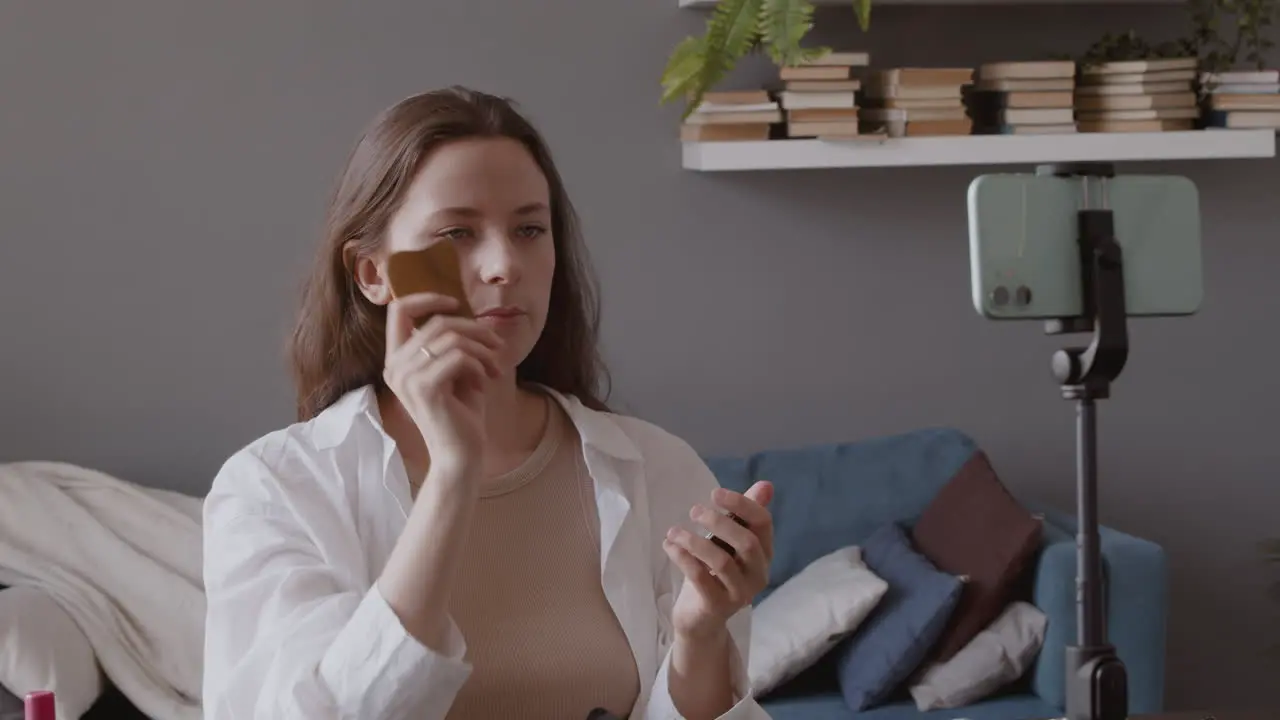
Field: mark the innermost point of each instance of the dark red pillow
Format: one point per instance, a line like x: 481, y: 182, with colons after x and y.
x: 975, y: 528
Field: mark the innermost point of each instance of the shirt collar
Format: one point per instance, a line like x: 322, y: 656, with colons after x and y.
x: 598, y: 430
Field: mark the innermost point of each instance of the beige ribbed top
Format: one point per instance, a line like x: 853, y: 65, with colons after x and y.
x: 541, y: 637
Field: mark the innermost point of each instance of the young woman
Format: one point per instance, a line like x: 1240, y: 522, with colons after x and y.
x: 457, y: 527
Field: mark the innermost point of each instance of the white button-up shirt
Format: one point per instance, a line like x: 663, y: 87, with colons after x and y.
x: 299, y: 524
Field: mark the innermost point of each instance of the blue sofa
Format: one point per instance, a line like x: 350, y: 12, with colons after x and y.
x: 830, y: 496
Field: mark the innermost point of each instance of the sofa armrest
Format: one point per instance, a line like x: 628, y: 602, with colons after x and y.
x: 1135, y: 582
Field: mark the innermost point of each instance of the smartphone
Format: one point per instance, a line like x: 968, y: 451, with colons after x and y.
x: 435, y: 269
x: 1024, y: 256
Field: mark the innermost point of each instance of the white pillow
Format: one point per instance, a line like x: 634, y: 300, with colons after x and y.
x: 42, y: 648
x: 994, y: 658
x: 808, y: 614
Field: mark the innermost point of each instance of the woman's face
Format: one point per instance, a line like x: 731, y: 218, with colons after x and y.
x: 490, y: 199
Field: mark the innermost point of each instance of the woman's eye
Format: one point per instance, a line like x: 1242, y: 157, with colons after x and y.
x: 455, y: 233
x: 531, y: 231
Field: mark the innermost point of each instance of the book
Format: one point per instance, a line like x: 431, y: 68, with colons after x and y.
x: 731, y: 115
x: 842, y: 58
x: 1238, y: 119
x: 724, y: 133
x: 794, y: 99
x: 1027, y: 70
x: 1062, y: 129
x: 997, y: 99
x: 1241, y: 99
x: 734, y: 118
x: 1135, y: 102
x: 822, y: 114
x: 1134, y: 125
x: 1138, y: 88
x: 1017, y: 97
x: 735, y: 97
x: 822, y: 85
x: 912, y: 114
x: 915, y: 101
x: 1233, y: 101
x: 1240, y: 77
x: 814, y: 72
x: 1026, y: 85
x: 1125, y: 67
x: 1175, y: 113
x: 1152, y: 95
x: 918, y: 128
x: 823, y: 129
x: 918, y: 76
x: 820, y: 96
x: 1187, y: 76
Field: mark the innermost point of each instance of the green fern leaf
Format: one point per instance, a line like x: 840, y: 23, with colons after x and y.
x: 683, y: 70
x: 732, y: 31
x: 740, y: 23
x: 783, y: 24
x: 863, y: 10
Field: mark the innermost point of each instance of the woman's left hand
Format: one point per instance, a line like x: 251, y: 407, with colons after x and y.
x: 717, y: 583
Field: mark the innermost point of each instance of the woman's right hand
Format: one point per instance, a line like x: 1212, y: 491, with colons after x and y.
x: 442, y: 388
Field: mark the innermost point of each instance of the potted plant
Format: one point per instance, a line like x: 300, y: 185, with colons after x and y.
x: 1244, y: 44
x: 736, y: 28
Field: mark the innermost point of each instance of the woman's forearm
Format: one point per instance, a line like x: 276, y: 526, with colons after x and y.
x: 700, y: 679
x: 418, y: 576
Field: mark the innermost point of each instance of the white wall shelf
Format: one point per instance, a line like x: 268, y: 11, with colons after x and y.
x: 879, y: 3
x: 977, y: 150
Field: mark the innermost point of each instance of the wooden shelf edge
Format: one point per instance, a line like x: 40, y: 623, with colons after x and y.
x: 977, y: 150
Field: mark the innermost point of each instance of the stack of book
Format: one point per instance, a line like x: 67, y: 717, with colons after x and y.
x: 1137, y: 96
x: 901, y: 102
x: 1241, y: 99
x: 1016, y: 98
x: 820, y: 98
x: 729, y: 115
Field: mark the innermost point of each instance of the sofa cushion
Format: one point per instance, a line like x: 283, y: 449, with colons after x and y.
x: 808, y: 615
x: 895, y: 639
x: 976, y: 529
x: 831, y: 496
x: 993, y: 659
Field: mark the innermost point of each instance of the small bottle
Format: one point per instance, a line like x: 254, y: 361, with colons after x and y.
x: 39, y: 706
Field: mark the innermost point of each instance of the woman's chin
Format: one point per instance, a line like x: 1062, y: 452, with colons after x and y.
x: 507, y: 367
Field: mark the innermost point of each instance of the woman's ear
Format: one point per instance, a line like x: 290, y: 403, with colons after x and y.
x: 368, y: 274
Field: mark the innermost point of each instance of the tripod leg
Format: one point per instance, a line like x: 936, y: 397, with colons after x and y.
x: 1097, y: 684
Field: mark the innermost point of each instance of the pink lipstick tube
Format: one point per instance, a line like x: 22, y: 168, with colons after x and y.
x: 39, y: 706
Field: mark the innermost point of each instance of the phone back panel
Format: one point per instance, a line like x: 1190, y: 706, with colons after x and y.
x: 1023, y: 234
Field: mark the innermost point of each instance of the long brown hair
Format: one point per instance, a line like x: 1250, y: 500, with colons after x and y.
x: 338, y: 343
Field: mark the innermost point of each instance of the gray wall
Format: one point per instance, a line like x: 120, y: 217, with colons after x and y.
x: 163, y: 171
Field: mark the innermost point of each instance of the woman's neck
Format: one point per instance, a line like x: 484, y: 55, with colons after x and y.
x: 515, y: 419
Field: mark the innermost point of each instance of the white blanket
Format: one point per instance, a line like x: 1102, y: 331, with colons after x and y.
x: 124, y: 561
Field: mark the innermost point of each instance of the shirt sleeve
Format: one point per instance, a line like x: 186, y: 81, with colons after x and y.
x: 290, y: 634
x: 685, y: 480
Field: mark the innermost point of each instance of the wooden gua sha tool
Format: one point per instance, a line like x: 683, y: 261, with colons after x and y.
x: 435, y: 269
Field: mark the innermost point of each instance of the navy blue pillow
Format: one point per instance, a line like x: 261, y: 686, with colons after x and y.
x: 908, y: 620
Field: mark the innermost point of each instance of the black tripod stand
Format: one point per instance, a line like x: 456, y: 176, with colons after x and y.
x: 1096, y: 682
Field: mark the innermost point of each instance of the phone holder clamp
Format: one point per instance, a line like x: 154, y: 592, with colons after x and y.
x: 1096, y: 681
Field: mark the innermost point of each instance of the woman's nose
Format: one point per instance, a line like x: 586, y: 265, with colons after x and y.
x: 499, y: 261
